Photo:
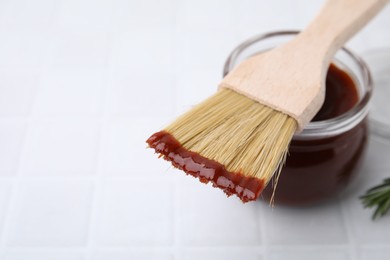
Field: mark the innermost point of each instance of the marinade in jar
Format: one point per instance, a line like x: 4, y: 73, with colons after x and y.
x: 319, y: 168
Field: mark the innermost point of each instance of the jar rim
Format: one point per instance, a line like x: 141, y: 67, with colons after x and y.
x: 323, y: 128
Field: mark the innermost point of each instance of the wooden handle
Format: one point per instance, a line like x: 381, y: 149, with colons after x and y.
x: 337, y: 22
x: 291, y: 77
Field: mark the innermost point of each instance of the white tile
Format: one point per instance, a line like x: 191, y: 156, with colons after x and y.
x: 85, y: 15
x: 146, y: 50
x: 130, y: 15
x: 43, y: 255
x: 27, y: 15
x: 125, y: 152
x: 206, y: 14
x: 320, y: 225
x: 209, y: 218
x: 61, y: 148
x: 305, y: 11
x: 204, y: 50
x: 151, y: 254
x: 71, y: 93
x: 359, y: 43
x: 377, y: 30
x: 194, y: 86
x: 378, y: 153
x: 23, y: 49
x: 17, y: 93
x: 11, y: 138
x: 5, y: 190
x: 364, y: 230
x: 374, y: 254
x: 50, y: 213
x: 255, y: 17
x: 78, y: 50
x: 142, y: 94
x: 309, y: 254
x: 375, y: 168
x: 134, y: 213
x: 220, y: 253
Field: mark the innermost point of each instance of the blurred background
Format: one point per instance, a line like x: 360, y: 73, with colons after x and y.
x: 83, y: 83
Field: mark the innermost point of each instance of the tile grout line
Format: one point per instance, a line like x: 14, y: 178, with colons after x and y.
x: 176, y: 220
x: 352, y: 248
x: 16, y: 180
x: 167, y: 248
x: 176, y: 200
x: 10, y: 208
x: 263, y: 232
x: 92, y: 225
x: 99, y: 171
x: 11, y: 205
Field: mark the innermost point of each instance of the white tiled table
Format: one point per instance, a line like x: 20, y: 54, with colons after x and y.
x: 83, y: 83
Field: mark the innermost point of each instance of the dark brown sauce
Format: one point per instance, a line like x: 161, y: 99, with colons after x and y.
x: 246, y: 188
x: 319, y: 169
x: 340, y: 95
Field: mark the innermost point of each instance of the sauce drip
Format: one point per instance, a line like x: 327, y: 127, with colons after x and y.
x: 246, y: 188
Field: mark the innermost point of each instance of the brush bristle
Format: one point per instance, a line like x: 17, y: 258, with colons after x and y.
x: 241, y: 134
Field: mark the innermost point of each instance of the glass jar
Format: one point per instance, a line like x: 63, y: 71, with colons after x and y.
x: 379, y: 62
x: 325, y: 156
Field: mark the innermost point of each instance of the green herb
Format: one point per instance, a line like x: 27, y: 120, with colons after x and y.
x: 379, y: 197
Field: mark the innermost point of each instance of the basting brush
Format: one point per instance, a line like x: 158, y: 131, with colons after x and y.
x: 239, y: 137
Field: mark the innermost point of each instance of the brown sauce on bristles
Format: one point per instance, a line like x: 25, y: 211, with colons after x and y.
x: 238, y: 144
x: 246, y: 188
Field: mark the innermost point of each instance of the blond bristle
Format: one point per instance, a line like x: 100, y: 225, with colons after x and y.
x: 243, y: 135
